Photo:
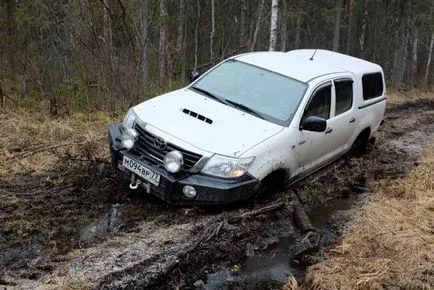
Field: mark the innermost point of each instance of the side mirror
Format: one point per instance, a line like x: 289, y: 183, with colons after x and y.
x: 313, y: 123
x: 194, y: 75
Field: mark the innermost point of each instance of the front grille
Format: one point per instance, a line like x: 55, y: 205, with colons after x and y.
x: 145, y: 146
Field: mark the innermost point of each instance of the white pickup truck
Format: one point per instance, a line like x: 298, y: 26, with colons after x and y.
x: 252, y: 120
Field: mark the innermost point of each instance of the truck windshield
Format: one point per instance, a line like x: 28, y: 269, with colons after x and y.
x: 266, y: 94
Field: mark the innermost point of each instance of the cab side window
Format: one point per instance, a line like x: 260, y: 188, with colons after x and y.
x: 319, y: 104
x: 344, y: 96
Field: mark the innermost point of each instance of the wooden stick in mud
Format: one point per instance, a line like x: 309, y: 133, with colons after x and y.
x: 300, y: 216
x: 46, y: 149
x: 262, y: 210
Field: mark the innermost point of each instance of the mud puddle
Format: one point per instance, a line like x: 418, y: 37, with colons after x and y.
x: 270, y: 268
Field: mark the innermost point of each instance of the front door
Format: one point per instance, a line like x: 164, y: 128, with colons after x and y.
x: 311, y: 147
x: 332, y: 101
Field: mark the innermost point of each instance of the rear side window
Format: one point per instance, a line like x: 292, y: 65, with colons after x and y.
x: 319, y: 105
x: 372, y: 85
x: 344, y: 96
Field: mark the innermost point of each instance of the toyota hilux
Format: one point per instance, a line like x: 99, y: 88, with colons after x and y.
x: 251, y: 120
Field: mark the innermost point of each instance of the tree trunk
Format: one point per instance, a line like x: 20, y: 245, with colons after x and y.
x: 413, y: 68
x: 196, y: 36
x: 162, y: 44
x: 181, y: 17
x: 107, y: 26
x: 401, y: 59
x: 243, y: 23
x: 350, y: 26
x: 211, y: 35
x: 284, y: 22
x: 273, y: 24
x: 336, y: 33
x: 184, y: 51
x: 363, y: 32
x: 298, y: 25
x: 144, y: 47
x: 428, y: 61
x: 257, y: 26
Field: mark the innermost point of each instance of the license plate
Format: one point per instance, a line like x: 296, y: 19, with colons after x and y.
x: 141, y: 170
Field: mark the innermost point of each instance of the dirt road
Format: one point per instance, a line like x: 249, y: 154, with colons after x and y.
x: 77, y: 225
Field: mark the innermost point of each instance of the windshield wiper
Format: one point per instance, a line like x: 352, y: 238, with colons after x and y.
x: 229, y: 102
x: 246, y: 109
x: 211, y: 95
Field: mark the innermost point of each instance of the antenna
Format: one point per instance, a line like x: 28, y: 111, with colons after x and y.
x: 311, y: 58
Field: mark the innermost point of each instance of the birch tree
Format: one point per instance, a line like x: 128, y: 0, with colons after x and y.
x: 257, y: 25
x: 363, y: 28
x: 428, y: 61
x: 273, y: 24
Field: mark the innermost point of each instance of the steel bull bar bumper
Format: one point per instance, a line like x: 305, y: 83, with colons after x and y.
x: 209, y: 190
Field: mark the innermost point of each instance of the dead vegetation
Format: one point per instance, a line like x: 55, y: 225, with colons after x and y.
x: 32, y: 142
x: 396, y: 98
x: 393, y: 244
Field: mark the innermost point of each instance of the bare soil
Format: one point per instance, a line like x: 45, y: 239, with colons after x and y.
x: 78, y: 225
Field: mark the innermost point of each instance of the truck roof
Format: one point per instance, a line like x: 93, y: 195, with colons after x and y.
x: 297, y: 64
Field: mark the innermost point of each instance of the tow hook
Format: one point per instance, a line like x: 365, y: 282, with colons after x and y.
x: 134, y: 182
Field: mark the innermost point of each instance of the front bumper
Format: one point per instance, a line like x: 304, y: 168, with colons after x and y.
x: 210, y: 190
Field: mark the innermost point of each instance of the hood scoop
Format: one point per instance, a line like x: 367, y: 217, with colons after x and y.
x: 197, y: 116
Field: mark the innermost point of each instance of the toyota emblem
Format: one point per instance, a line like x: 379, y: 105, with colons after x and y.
x: 160, y: 143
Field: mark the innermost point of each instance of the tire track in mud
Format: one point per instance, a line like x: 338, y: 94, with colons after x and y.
x: 130, y: 242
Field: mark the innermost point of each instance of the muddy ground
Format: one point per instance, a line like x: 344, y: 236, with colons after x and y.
x: 78, y: 225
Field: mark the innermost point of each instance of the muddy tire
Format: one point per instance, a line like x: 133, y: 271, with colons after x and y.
x: 272, y: 184
x: 360, y: 146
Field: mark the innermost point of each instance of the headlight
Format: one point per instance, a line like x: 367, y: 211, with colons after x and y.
x: 130, y: 119
x: 128, y: 138
x: 173, y: 161
x: 227, y: 167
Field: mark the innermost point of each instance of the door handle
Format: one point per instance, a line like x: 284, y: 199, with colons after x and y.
x: 329, y: 130
x: 352, y: 120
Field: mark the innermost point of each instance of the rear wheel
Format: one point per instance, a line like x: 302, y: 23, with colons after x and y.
x: 360, y: 146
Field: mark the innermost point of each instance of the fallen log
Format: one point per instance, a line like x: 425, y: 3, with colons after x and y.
x: 262, y: 210
x: 300, y: 216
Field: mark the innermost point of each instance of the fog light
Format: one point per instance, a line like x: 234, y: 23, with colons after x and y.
x: 128, y: 138
x: 189, y: 191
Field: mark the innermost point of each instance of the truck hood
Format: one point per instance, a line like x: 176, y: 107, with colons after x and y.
x: 204, y: 123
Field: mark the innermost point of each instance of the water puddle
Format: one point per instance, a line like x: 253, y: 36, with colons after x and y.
x: 266, y: 270
x: 269, y: 269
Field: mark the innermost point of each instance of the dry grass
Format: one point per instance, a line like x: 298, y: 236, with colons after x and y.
x: 392, y: 245
x: 403, y: 97
x: 33, y: 142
